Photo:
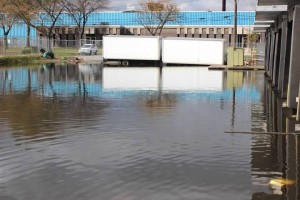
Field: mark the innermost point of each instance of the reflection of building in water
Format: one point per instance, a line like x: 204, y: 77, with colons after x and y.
x: 80, y: 72
x: 89, y: 72
x: 274, y: 155
x: 26, y: 109
x: 187, y: 82
x: 265, y: 154
x: 69, y: 80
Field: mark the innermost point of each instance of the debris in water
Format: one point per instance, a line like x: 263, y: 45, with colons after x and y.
x: 281, y: 182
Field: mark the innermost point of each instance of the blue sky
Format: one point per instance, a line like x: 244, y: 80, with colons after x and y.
x: 188, y: 5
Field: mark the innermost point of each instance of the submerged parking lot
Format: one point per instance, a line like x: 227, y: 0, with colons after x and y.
x: 88, y: 132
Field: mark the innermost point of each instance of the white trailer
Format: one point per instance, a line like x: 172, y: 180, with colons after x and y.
x: 194, y: 51
x: 126, y: 48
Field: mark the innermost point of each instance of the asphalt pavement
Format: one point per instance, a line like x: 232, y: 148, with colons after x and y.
x: 91, y: 58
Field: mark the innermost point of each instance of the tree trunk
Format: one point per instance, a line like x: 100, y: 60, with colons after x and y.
x: 29, y: 81
x: 5, y: 41
x: 49, y: 38
x: 160, y: 30
x: 28, y: 36
x: 49, y: 42
x: 81, y: 34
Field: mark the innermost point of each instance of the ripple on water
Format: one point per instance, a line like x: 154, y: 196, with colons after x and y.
x: 88, y: 140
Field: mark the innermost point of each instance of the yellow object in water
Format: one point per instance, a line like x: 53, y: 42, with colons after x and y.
x: 281, y: 182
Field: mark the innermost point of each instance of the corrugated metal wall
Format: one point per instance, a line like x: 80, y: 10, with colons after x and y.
x: 130, y: 19
x: 19, y: 30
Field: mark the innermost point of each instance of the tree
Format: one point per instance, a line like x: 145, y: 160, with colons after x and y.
x: 7, y: 19
x: 155, y: 14
x: 252, y: 39
x: 25, y: 10
x: 51, y: 11
x: 80, y: 11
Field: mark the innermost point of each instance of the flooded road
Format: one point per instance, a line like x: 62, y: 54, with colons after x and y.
x: 86, y: 132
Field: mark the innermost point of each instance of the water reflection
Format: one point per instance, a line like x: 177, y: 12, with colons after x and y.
x: 128, y: 78
x: 274, y: 155
x: 75, y: 132
x: 29, y: 102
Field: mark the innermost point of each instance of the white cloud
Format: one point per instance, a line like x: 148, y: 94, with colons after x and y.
x: 189, y: 5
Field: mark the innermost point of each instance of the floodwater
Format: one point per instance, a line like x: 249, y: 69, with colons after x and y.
x: 87, y: 132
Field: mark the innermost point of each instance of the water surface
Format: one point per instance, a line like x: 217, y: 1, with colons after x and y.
x: 87, y: 132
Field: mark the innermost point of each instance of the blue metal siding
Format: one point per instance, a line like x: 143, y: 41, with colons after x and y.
x: 19, y: 30
x: 186, y: 18
x: 130, y: 19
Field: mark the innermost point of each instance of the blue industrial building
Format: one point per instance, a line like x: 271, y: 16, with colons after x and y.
x: 185, y: 19
x: 190, y: 24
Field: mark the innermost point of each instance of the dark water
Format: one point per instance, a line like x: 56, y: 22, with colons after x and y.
x: 83, y: 132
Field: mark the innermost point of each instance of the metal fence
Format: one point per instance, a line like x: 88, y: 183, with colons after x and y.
x: 18, y: 46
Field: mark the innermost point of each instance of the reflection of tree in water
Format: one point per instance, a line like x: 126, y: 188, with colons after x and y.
x: 30, y: 115
x: 27, y: 113
x: 161, y: 102
x: 82, y: 108
x: 34, y: 116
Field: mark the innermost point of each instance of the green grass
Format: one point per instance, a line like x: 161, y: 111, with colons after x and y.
x: 59, y: 52
x: 65, y: 52
x: 14, y: 56
x: 20, y: 60
x: 13, y: 51
x: 69, y: 52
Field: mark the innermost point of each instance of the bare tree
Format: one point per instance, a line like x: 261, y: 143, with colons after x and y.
x: 155, y: 14
x: 49, y: 16
x: 80, y: 11
x: 7, y: 19
x: 25, y: 10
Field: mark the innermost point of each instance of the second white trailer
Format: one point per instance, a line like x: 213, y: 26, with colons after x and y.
x: 194, y: 51
x: 131, y: 48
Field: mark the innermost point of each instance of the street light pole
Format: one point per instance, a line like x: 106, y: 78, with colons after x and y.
x: 235, y: 24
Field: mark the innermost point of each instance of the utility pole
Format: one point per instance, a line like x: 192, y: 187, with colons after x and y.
x: 235, y: 25
x: 223, y: 5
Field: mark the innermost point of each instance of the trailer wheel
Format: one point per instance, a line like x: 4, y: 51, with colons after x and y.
x: 125, y: 63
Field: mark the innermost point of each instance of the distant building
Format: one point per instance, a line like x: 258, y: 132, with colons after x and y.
x: 191, y: 24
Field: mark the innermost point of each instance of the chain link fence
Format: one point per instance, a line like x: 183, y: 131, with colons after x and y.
x: 18, y: 46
